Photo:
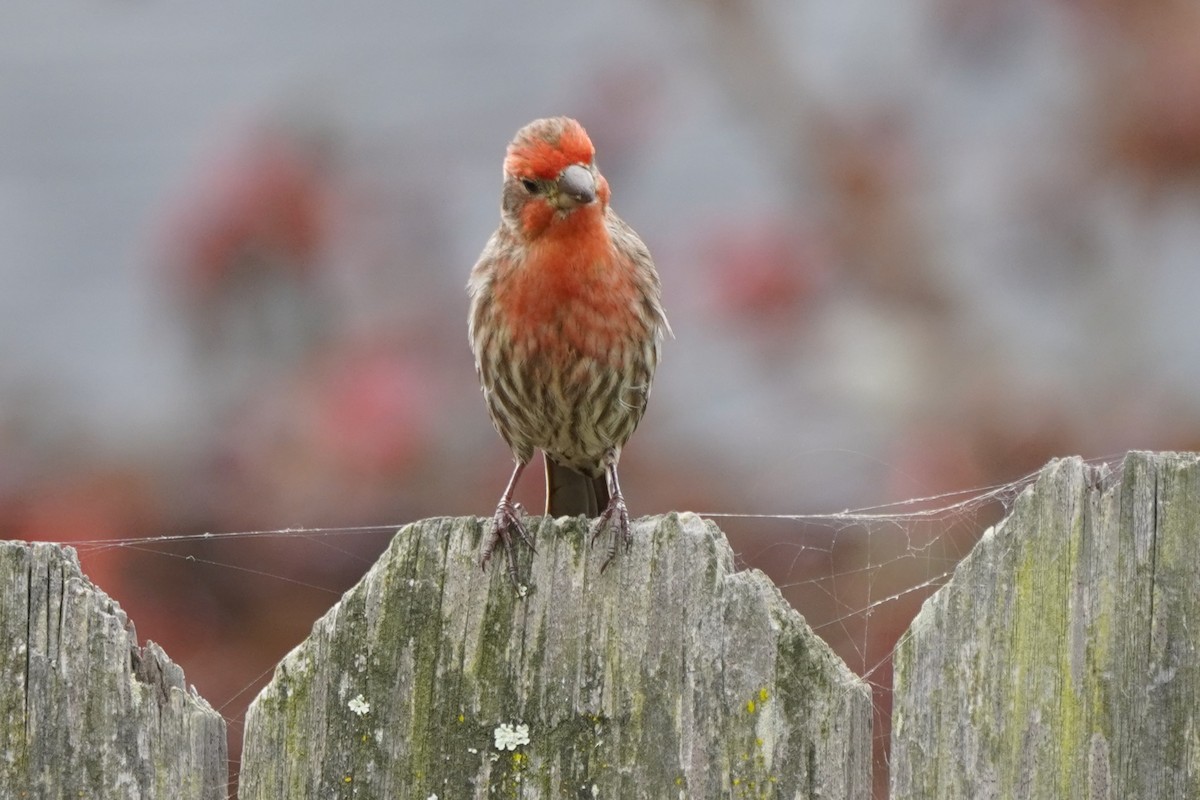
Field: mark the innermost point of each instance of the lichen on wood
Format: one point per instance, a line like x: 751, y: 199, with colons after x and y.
x: 669, y: 675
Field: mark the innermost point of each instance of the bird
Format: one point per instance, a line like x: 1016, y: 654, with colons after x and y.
x: 566, y: 325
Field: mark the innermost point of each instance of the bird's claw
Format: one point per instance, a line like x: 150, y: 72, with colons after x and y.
x: 509, y: 518
x: 617, y: 515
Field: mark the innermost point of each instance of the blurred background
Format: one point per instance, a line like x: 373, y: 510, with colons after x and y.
x: 907, y: 248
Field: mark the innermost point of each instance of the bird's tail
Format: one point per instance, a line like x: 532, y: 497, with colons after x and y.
x: 570, y: 493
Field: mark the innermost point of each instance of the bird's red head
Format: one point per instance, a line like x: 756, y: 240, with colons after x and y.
x: 545, y: 147
x: 549, y: 175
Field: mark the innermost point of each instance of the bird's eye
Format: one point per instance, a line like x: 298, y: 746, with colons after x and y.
x: 530, y: 186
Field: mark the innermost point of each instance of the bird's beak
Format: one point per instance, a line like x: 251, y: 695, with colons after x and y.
x: 576, y: 186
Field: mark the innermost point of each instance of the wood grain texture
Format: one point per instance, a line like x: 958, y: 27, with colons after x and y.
x: 85, y: 711
x: 1063, y: 658
x: 669, y: 676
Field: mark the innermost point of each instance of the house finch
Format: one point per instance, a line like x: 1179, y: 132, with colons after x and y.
x: 566, y: 324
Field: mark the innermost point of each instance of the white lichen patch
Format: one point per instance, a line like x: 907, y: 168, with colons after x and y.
x: 510, y: 737
x: 359, y: 706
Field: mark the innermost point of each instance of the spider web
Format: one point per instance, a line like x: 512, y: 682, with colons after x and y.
x: 858, y: 576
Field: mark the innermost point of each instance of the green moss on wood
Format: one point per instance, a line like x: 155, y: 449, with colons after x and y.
x: 1045, y: 668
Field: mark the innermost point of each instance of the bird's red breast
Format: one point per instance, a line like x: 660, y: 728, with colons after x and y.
x: 569, y: 294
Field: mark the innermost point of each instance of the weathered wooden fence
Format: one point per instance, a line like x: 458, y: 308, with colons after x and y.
x: 1061, y: 661
x: 84, y: 711
x: 670, y: 673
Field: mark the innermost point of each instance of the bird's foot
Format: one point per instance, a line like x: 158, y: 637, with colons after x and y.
x: 617, y: 516
x: 508, y: 524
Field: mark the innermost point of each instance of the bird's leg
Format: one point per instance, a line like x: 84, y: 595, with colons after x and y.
x: 616, y: 514
x: 505, y: 522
